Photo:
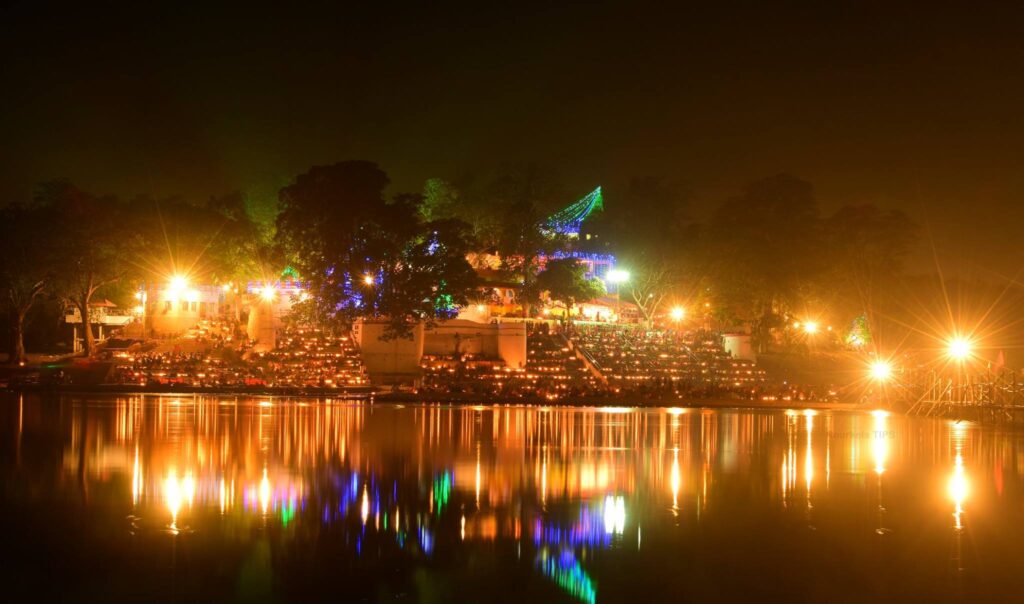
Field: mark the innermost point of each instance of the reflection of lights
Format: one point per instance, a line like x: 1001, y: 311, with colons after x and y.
x: 675, y: 479
x: 426, y: 540
x: 958, y: 488
x: 136, y: 478
x: 176, y: 493
x: 959, y: 348
x: 567, y: 572
x: 614, y: 410
x: 881, y: 370
x: 364, y: 508
x: 809, y: 454
x: 264, y: 492
x: 675, y: 411
x: 614, y: 514
x: 880, y: 442
x: 478, y: 477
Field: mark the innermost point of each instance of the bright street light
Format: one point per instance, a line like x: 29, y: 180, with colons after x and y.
x: 268, y: 293
x: 368, y: 279
x: 177, y: 284
x: 677, y: 313
x: 881, y: 370
x: 960, y: 348
x: 810, y: 327
x: 617, y: 276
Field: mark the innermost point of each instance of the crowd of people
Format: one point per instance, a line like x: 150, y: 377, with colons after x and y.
x: 553, y: 371
x: 667, y: 363
x: 212, y: 355
x: 586, y: 362
x: 610, y: 362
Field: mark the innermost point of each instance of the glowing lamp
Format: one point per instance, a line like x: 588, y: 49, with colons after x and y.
x: 368, y: 279
x: 810, y: 327
x: 177, y: 284
x: 268, y: 293
x: 881, y: 370
x: 617, y: 276
x: 959, y: 348
x: 677, y: 313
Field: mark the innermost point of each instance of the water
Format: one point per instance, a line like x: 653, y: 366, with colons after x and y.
x: 224, y: 498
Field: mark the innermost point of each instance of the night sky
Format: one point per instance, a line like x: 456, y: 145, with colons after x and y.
x: 916, y: 107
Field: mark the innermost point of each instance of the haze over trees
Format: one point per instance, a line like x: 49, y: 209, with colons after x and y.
x: 366, y: 256
x: 564, y: 281
x: 762, y: 257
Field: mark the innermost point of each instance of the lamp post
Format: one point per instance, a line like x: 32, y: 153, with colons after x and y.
x: 618, y: 277
x: 959, y: 350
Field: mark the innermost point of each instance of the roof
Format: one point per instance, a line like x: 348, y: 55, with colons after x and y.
x: 568, y: 220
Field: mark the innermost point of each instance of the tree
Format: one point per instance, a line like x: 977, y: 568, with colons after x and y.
x: 365, y: 257
x: 763, y: 249
x: 25, y: 269
x: 565, y: 281
x: 651, y: 282
x: 652, y: 219
x: 866, y: 247
x: 652, y: 236
x: 94, y: 246
x: 508, y: 208
x: 521, y: 243
x: 214, y: 242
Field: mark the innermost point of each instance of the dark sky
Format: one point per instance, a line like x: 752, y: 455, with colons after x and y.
x: 917, y: 107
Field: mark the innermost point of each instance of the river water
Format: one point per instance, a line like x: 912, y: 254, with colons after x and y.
x: 252, y: 499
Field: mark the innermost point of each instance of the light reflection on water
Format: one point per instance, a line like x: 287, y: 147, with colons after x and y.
x: 557, y: 503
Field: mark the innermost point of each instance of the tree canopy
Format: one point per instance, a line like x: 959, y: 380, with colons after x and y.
x: 365, y: 256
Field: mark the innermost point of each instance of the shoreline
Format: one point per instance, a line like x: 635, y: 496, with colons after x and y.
x: 373, y: 395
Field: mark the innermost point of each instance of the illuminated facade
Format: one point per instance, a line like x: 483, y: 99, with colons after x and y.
x: 172, y: 308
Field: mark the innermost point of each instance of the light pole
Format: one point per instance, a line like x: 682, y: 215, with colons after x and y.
x: 959, y: 350
x: 618, y: 277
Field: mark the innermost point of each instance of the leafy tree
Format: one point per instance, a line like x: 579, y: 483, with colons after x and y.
x: 651, y: 219
x: 94, y: 246
x: 652, y: 235
x: 440, y: 200
x: 763, y: 250
x: 366, y: 257
x: 565, y: 281
x: 213, y: 242
x: 26, y: 270
x: 521, y: 243
x: 866, y: 247
x: 651, y: 281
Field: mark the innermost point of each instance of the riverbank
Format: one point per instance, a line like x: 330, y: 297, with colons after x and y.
x: 415, y: 398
